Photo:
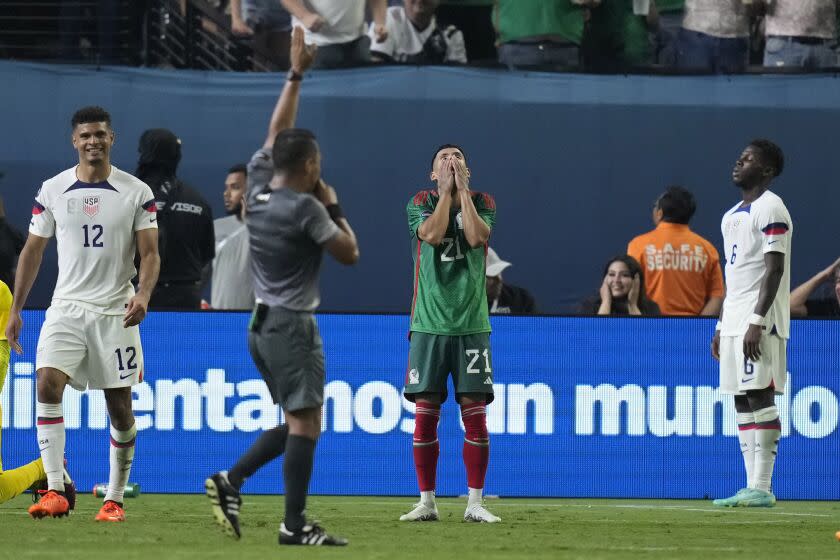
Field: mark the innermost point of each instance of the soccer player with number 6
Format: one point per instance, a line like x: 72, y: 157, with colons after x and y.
x: 750, y: 340
x: 100, y: 216
x: 450, y: 326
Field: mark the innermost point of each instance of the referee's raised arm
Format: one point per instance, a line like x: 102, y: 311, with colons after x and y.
x: 285, y: 112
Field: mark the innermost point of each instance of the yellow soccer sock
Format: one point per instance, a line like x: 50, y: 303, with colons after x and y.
x: 15, y: 481
x: 4, y: 369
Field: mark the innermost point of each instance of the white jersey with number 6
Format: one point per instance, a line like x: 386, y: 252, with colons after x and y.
x: 94, y: 225
x: 750, y: 231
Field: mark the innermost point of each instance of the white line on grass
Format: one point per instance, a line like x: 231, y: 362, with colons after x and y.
x: 714, y: 510
x: 495, y: 504
x: 670, y: 548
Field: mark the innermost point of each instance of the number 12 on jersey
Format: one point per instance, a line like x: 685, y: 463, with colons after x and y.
x: 93, y: 235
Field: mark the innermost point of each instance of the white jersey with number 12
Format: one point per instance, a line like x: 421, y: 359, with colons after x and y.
x: 94, y: 225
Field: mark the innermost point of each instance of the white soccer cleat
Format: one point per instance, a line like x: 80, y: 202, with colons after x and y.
x: 476, y: 513
x: 421, y: 512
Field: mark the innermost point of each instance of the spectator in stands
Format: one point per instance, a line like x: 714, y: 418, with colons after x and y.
x: 338, y: 28
x: 622, y: 290
x: 185, y: 223
x: 669, y: 24
x: 502, y: 297
x: 414, y: 37
x: 681, y: 269
x: 11, y: 244
x: 268, y: 23
x: 232, y: 286
x: 800, y: 33
x: 474, y: 19
x: 546, y: 33
x: 714, y: 36
x: 617, y: 38
x: 828, y: 306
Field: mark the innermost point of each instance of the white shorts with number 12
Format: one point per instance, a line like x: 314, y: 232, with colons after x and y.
x: 95, y: 350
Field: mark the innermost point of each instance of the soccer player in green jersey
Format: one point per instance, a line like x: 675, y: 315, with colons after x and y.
x: 450, y: 326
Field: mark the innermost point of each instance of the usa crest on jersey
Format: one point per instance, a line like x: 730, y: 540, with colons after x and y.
x: 90, y: 205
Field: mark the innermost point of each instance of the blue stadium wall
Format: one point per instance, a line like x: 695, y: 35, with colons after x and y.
x: 585, y: 407
x: 575, y: 162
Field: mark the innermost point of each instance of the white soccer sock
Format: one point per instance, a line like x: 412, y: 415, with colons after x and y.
x: 122, y: 455
x: 428, y: 498
x: 746, y: 437
x: 767, y: 433
x: 51, y: 438
x: 474, y: 495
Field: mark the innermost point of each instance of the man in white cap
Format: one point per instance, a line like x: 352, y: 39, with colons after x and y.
x: 504, y: 298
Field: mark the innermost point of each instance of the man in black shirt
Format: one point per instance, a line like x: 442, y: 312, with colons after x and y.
x: 11, y: 244
x: 801, y: 303
x: 504, y: 298
x: 187, y: 243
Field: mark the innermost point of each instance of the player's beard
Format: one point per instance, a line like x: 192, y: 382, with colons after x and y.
x: 235, y: 211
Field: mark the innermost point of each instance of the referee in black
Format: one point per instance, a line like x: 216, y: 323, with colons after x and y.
x: 292, y: 216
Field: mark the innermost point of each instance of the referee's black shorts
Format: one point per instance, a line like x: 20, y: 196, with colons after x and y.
x: 289, y: 353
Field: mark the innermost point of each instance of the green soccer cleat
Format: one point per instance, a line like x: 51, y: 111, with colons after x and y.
x: 757, y: 498
x: 732, y: 501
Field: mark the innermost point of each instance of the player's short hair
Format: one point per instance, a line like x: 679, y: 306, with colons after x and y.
x: 238, y: 168
x: 771, y: 154
x: 677, y: 205
x: 443, y: 147
x: 90, y: 114
x: 292, y: 147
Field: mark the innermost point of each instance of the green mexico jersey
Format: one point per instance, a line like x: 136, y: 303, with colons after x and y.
x: 450, y: 297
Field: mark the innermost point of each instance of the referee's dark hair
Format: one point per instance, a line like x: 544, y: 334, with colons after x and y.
x: 677, y: 205
x: 90, y: 114
x: 771, y: 155
x: 238, y: 168
x: 292, y: 147
x: 443, y: 147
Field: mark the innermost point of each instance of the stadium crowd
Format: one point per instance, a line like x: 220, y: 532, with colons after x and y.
x: 721, y: 36
x: 694, y: 36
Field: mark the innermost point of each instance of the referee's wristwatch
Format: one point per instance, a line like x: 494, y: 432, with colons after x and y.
x: 293, y: 76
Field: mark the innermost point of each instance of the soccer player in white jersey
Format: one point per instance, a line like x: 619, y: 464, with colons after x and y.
x: 750, y: 340
x: 100, y: 216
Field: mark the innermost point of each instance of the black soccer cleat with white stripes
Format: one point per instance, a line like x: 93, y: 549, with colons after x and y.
x: 225, y: 500
x: 312, y: 534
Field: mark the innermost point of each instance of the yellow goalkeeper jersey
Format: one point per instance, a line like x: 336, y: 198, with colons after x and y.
x: 5, y: 308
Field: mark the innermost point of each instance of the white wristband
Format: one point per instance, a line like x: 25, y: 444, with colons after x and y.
x: 718, y: 326
x: 756, y: 319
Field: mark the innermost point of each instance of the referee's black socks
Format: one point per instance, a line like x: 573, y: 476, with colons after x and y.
x: 297, y: 470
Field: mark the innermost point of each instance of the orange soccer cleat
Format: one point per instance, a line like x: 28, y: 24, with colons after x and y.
x: 51, y: 504
x: 111, y: 511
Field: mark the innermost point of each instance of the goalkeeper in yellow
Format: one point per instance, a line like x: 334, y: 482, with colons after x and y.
x: 15, y: 481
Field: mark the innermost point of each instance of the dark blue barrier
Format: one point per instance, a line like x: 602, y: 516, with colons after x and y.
x: 585, y: 407
x: 574, y: 161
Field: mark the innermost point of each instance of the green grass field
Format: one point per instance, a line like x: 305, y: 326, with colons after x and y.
x: 164, y: 527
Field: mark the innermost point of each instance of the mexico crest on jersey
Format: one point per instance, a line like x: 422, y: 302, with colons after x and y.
x: 90, y: 205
